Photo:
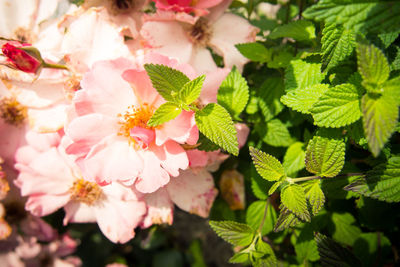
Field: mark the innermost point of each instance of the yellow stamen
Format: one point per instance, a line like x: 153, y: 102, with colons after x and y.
x: 85, y: 191
x: 12, y: 111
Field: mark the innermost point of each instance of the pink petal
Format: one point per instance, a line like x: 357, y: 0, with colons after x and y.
x: 142, y: 135
x: 202, y: 61
x: 79, y: 213
x: 211, y: 85
x: 197, y: 158
x: 178, y: 129
x: 223, y: 39
x: 172, y: 157
x: 242, y: 133
x: 159, y: 208
x: 42, y: 205
x: 193, y: 192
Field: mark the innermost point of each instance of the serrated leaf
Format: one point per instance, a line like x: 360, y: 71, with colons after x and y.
x: 387, y: 38
x: 306, y: 247
x: 333, y: 254
x: 269, y: 94
x: 325, y: 156
x: 380, y: 114
x: 359, y: 15
x: 293, y: 161
x: 266, y: 165
x: 301, y: 74
x: 240, y: 257
x: 216, y: 124
x: 238, y: 234
x: 167, y: 81
x: 314, y: 195
x: 255, y: 215
x: 233, y: 93
x: 265, y: 257
x: 274, y: 187
x: 343, y: 229
x: 166, y: 112
x: 373, y: 67
x: 281, y: 58
x: 191, y: 90
x: 254, y: 51
x: 396, y: 61
x: 206, y: 144
x: 337, y: 44
x: 337, y: 107
x: 294, y: 199
x: 259, y: 185
x: 382, y: 183
x: 285, y: 220
x: 302, y: 100
x: 277, y: 134
x: 300, y: 30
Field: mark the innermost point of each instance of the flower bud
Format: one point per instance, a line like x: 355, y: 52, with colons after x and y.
x: 23, y: 57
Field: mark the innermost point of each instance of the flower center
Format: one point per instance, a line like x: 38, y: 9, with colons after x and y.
x: 12, y: 111
x: 121, y: 6
x: 24, y: 35
x: 134, y: 124
x: 85, y: 191
x: 200, y: 32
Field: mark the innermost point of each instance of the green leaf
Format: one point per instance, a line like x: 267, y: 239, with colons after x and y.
x: 396, y: 61
x: 314, y: 195
x: 166, y: 112
x: 306, y: 247
x: 277, y: 134
x: 302, y: 100
x: 238, y: 234
x: 359, y: 15
x: 293, y: 161
x: 191, y: 90
x: 269, y: 94
x: 333, y: 254
x: 300, y: 30
x: 338, y: 43
x: 267, y: 166
x: 373, y: 67
x: 233, y: 93
x: 325, y: 156
x: 259, y: 185
x: 301, y: 74
x: 255, y: 214
x: 216, y: 124
x: 338, y: 106
x: 206, y: 144
x: 380, y: 114
x: 167, y: 81
x: 382, y: 183
x: 240, y: 257
x: 265, y: 256
x: 343, y: 229
x: 254, y: 51
x: 285, y: 220
x: 372, y: 248
x: 274, y: 187
x: 387, y: 38
x: 294, y: 199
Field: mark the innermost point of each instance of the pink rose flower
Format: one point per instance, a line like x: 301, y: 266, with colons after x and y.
x: 116, y: 209
x: 198, y: 8
x: 109, y: 131
x: 21, y: 59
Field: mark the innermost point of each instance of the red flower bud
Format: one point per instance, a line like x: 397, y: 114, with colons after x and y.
x: 23, y: 57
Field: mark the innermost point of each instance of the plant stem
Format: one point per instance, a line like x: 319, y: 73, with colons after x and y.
x: 54, y: 66
x: 308, y: 178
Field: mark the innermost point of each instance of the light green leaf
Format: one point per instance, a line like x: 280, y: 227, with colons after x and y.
x: 277, y: 134
x: 165, y: 80
x: 314, y: 195
x: 387, y: 38
x: 301, y: 74
x: 255, y: 52
x: 300, y: 30
x: 382, y: 183
x: 294, y: 199
x: 259, y: 185
x: 264, y: 255
x: 269, y: 94
x: 302, y: 100
x: 233, y: 93
x: 373, y: 67
x: 325, y: 156
x: 191, y: 90
x: 267, y: 166
x: 306, y: 247
x: 240, y: 257
x: 343, y: 229
x: 216, y: 124
x: 238, y: 234
x: 285, y: 220
x: 333, y: 254
x: 166, y: 112
x: 380, y: 114
x: 337, y: 44
x: 338, y: 106
x: 255, y: 214
x: 293, y: 161
x: 359, y: 15
x: 274, y: 187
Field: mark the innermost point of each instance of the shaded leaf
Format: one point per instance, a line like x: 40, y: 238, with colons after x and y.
x: 238, y: 234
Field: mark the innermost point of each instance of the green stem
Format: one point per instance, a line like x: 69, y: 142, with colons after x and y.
x: 54, y: 66
x: 308, y: 178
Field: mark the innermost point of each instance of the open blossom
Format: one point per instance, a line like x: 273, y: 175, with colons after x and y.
x: 51, y: 180
x: 197, y: 7
x: 109, y: 131
x: 190, y: 42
